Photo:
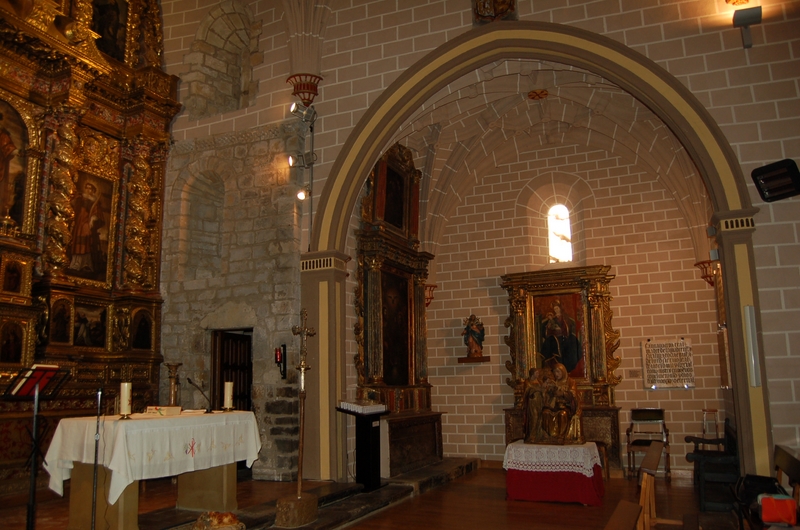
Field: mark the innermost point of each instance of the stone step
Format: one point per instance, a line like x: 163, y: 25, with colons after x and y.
x: 339, y: 503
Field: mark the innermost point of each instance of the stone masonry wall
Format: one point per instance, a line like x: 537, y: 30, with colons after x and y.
x: 231, y: 262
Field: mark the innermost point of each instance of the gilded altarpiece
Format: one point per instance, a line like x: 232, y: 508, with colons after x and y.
x: 391, y: 331
x: 85, y: 112
x: 565, y: 314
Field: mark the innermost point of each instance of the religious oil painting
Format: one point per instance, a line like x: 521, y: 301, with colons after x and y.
x: 92, y: 237
x: 396, y: 331
x: 90, y: 326
x: 109, y: 20
x: 559, y: 321
x: 13, y: 161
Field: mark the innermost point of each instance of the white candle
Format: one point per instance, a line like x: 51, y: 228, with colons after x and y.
x: 125, y: 398
x: 302, y: 380
x: 228, y: 395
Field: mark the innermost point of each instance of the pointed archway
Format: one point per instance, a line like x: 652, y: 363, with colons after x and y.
x: 661, y: 92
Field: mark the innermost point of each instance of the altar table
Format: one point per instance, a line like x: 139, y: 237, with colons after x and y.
x: 561, y: 473
x: 202, y: 449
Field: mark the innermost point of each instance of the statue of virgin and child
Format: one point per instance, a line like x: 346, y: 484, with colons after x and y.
x: 551, y: 406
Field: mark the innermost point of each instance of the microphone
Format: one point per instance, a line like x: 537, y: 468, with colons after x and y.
x: 208, y: 410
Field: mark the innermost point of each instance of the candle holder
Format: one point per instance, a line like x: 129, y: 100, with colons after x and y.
x: 228, y: 409
x: 124, y: 416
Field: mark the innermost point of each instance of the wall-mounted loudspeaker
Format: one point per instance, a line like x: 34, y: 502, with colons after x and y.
x: 776, y: 181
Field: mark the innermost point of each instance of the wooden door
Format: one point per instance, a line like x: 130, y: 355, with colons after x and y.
x: 232, y: 360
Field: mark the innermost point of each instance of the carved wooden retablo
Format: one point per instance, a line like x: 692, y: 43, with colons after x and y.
x: 563, y: 316
x: 85, y: 112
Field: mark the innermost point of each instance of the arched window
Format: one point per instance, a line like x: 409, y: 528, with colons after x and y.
x: 560, y: 235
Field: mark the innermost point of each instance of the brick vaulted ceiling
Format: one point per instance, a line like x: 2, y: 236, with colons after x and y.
x: 487, y: 119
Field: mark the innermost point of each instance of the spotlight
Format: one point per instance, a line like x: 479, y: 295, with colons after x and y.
x: 304, y: 193
x: 744, y: 18
x: 306, y: 114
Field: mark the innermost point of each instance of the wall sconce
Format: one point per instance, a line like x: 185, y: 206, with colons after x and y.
x: 304, y: 193
x: 744, y: 18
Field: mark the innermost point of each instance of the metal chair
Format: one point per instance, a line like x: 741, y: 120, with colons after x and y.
x: 647, y: 426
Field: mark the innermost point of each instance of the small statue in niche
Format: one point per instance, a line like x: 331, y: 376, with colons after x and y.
x: 473, y: 336
x: 485, y: 11
x: 551, y: 407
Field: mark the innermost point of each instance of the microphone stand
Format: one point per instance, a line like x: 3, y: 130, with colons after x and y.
x: 208, y: 410
x: 96, y: 451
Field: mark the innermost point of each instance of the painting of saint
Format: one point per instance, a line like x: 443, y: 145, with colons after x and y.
x: 13, y: 139
x: 90, y: 326
x: 109, y: 19
x: 560, y: 324
x: 88, y: 250
x: 396, y: 333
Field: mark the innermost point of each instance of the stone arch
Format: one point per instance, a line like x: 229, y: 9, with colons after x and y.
x: 220, y: 76
x: 672, y: 102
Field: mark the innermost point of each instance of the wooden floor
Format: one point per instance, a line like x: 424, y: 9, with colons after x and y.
x: 476, y: 500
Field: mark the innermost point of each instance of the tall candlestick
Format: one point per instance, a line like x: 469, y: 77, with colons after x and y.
x: 228, y: 404
x: 125, y: 399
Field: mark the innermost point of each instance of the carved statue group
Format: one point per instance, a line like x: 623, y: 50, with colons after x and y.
x: 552, y: 408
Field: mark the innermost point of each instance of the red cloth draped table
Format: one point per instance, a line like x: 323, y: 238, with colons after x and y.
x: 201, y: 449
x: 560, y: 473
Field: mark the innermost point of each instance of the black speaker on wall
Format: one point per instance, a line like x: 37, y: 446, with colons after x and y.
x: 776, y: 181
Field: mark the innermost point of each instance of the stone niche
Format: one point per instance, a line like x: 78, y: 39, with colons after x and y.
x: 390, y: 303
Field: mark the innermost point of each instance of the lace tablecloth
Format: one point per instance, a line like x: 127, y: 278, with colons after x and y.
x: 150, y: 447
x: 552, y: 458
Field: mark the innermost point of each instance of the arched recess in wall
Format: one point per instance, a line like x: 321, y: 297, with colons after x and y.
x: 672, y: 102
x: 199, y: 197
x: 542, y: 193
x: 220, y: 76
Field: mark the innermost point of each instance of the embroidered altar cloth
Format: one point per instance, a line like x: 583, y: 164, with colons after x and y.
x: 552, y: 458
x: 148, y: 446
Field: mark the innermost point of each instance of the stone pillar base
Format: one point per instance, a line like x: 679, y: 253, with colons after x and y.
x: 293, y: 511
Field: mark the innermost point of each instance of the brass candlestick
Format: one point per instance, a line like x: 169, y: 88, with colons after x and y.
x: 174, y: 384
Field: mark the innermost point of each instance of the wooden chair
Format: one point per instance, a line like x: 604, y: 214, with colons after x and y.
x: 715, y: 469
x: 647, y: 426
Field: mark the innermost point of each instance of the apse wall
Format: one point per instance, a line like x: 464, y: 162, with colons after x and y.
x: 631, y: 223
x: 753, y: 95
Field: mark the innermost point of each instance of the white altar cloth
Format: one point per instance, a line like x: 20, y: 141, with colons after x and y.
x: 147, y: 447
x: 553, y: 458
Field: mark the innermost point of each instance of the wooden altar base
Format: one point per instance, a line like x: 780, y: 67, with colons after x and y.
x: 409, y: 441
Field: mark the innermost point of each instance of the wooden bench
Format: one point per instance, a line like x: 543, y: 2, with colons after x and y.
x: 647, y: 496
x: 625, y: 516
x: 787, y: 462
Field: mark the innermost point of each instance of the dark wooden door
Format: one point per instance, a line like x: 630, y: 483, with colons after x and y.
x: 232, y: 360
